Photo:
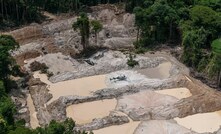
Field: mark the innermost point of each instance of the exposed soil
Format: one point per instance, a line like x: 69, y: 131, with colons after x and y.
x: 179, y: 93
x: 160, y: 72
x: 152, y: 95
x: 33, y: 114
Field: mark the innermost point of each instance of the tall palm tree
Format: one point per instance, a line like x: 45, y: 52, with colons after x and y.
x: 83, y: 25
x: 96, y: 27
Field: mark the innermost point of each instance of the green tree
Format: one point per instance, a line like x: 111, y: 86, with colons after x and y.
x: 210, y: 20
x: 3, y: 126
x: 139, y: 14
x: 21, y: 130
x: 83, y: 25
x: 192, y: 43
x: 7, y: 63
x: 216, y: 47
x: 2, y: 89
x: 96, y: 28
x: 7, y: 109
x: 66, y: 127
x: 7, y: 44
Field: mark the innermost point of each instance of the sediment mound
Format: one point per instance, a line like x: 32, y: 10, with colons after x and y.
x: 144, y: 101
x: 161, y: 127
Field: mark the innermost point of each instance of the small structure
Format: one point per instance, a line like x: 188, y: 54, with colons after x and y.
x: 119, y: 78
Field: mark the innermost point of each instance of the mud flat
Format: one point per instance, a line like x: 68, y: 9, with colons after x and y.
x: 33, y: 114
x: 179, y: 93
x: 202, y: 123
x: 86, y: 112
x: 82, y: 86
x: 160, y: 72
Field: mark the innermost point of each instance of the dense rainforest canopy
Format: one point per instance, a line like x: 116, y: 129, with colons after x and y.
x: 193, y: 23
x: 16, y: 12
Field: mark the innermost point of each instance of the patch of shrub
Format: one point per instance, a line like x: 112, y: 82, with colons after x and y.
x: 131, y: 62
x: 49, y: 74
x: 91, y: 50
x: 36, y: 66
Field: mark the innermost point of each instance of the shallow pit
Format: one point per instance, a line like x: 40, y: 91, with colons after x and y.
x: 179, y: 93
x: 202, y: 123
x: 81, y: 87
x: 85, y: 112
x: 33, y: 114
x: 160, y: 72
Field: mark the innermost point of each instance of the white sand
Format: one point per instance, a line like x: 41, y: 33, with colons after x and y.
x: 86, y: 112
x: 179, y: 93
x: 160, y: 72
x: 82, y: 87
x: 33, y: 114
x: 201, y: 123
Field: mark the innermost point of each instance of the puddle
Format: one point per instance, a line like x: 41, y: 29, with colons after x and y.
x: 86, y: 112
x: 82, y: 86
x: 160, y: 72
x: 202, y: 123
x: 179, y: 93
x: 33, y: 114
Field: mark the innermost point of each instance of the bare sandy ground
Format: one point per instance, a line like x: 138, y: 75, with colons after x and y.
x: 82, y: 87
x: 160, y: 72
x: 161, y: 127
x: 57, y: 62
x: 86, y: 112
x: 201, y: 123
x: 179, y: 93
x: 33, y: 114
x: 120, y: 129
x: 144, y: 100
x: 127, y: 128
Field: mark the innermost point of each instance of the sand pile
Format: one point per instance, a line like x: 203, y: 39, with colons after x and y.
x: 144, y: 101
x: 161, y: 127
x: 57, y: 63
